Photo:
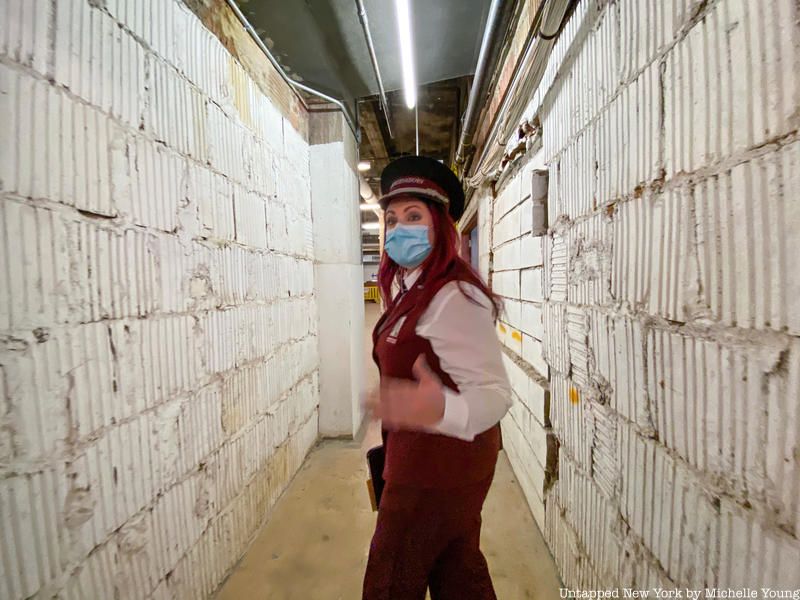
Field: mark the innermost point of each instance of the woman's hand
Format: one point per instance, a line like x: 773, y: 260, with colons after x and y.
x: 407, y: 404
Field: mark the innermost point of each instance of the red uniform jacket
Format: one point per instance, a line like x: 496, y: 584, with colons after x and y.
x: 413, y: 457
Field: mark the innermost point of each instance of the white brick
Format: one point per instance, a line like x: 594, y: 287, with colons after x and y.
x: 508, y: 228
x: 565, y: 546
x: 538, y: 402
x: 530, y: 473
x: 513, y: 313
x: 581, y: 168
x: 572, y: 420
x: 507, y: 199
x: 590, y: 252
x: 556, y: 259
x: 97, y: 575
x: 79, y: 174
x: 531, y: 285
x: 712, y: 398
x: 526, y: 217
x: 31, y: 509
x: 506, y: 283
x: 651, y: 477
x: 634, y: 269
x: 295, y: 147
x: 592, y: 516
x: 89, y: 53
x: 24, y: 33
x: 532, y: 353
x: 577, y: 336
x: 748, y: 218
x: 645, y: 30
x: 783, y: 478
x: 37, y: 270
x: 764, y: 556
x: 507, y: 256
x: 556, y: 348
x: 530, y: 251
x: 627, y: 370
x: 532, y: 320
x: 516, y: 376
x: 268, y: 123
x: 251, y: 218
x: 529, y: 393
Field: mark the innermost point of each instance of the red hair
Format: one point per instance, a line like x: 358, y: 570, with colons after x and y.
x: 443, y: 258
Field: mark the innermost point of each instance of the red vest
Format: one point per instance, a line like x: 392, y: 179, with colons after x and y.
x: 414, y: 457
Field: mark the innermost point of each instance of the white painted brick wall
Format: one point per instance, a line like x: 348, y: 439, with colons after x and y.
x: 158, y: 321
x: 667, y: 308
x: 505, y: 223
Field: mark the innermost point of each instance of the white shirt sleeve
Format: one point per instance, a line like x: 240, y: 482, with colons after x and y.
x: 462, y: 335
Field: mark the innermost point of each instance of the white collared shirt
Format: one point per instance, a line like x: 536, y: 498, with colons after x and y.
x: 462, y: 335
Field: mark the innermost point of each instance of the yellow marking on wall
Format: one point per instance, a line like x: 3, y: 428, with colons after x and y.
x: 501, y: 328
x: 241, y: 91
x: 574, y: 395
x: 516, y: 335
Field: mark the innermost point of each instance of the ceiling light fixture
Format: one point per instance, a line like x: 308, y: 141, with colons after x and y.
x: 406, y: 51
x: 364, y: 165
x: 371, y: 226
x: 369, y: 206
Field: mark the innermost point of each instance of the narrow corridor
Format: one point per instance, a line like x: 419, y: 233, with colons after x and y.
x: 194, y: 204
x: 314, y: 545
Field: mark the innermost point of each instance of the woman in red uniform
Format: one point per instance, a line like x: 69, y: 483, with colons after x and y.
x: 443, y: 392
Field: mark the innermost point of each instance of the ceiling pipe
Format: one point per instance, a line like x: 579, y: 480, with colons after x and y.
x: 548, y: 22
x: 295, y: 85
x: 367, y: 195
x: 365, y: 191
x: 362, y: 15
x: 497, y: 22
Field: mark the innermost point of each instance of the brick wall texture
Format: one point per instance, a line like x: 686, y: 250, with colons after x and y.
x: 158, y: 350
x: 653, y: 333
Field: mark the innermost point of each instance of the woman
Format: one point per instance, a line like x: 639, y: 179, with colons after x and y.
x: 443, y: 391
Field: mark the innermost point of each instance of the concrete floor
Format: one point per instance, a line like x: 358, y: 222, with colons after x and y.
x: 315, y: 544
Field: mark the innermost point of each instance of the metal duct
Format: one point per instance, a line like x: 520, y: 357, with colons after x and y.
x: 365, y: 191
x: 497, y: 23
x: 526, y: 79
x: 362, y: 15
x: 295, y: 85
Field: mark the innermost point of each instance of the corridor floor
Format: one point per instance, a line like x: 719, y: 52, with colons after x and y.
x: 315, y: 544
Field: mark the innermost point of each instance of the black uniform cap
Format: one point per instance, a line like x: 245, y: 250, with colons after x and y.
x: 425, y: 178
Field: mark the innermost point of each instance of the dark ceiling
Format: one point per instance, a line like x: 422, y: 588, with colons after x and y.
x: 439, y: 108
x: 322, y: 42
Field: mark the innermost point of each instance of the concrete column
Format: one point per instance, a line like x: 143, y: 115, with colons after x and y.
x: 338, y: 273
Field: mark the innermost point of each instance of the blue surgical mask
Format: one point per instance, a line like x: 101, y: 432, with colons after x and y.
x: 408, y: 245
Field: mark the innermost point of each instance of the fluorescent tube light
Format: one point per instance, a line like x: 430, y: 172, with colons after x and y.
x: 406, y: 51
x: 371, y: 226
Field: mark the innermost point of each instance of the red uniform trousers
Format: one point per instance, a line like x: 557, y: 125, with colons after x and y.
x: 429, y: 538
